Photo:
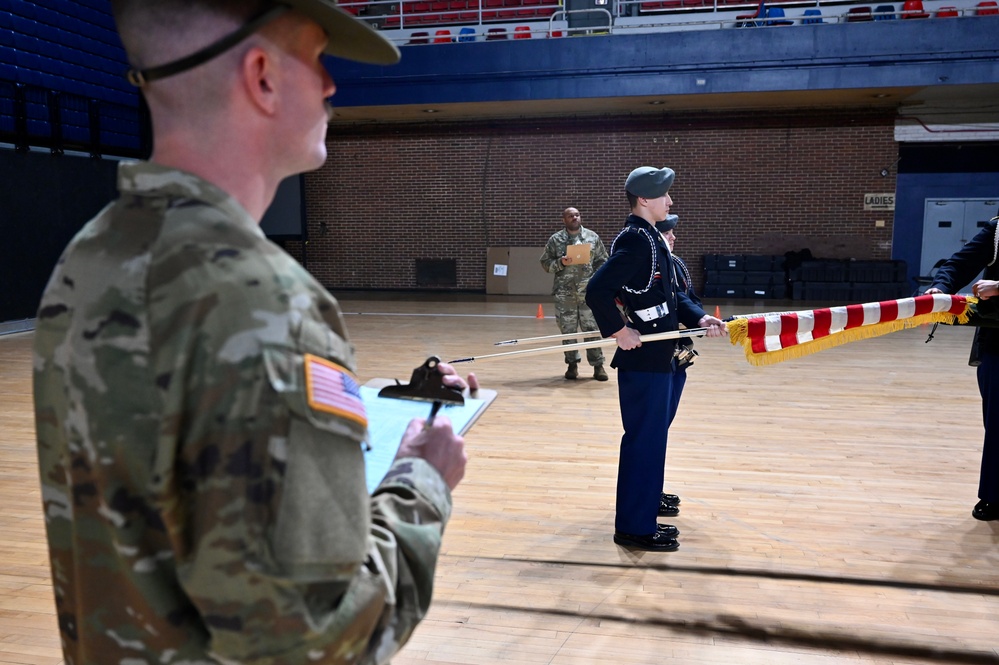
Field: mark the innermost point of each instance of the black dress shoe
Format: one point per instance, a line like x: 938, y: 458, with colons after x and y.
x: 668, y: 509
x: 671, y: 499
x: 656, y: 542
x: 668, y: 530
x: 986, y: 511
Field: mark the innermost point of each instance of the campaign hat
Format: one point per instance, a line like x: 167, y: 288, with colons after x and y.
x: 349, y: 38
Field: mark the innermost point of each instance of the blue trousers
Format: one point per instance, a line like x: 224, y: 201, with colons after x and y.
x: 679, y: 380
x: 988, y: 385
x: 646, y: 400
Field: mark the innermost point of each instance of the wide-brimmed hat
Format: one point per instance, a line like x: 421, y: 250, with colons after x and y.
x: 349, y: 38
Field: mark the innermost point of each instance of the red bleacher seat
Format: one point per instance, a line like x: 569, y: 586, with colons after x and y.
x: 522, y: 32
x: 442, y: 37
x: 490, y: 9
x: 913, y: 9
x: 660, y: 5
x: 987, y: 8
x: 746, y: 20
x: 947, y: 12
x: 858, y: 14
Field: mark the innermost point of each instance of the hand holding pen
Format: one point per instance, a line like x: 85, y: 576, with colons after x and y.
x: 434, y: 439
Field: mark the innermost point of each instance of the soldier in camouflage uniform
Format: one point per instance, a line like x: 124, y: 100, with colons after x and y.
x: 569, y: 288
x: 199, y: 425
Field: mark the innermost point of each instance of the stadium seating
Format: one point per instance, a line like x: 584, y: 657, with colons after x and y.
x: 775, y: 17
x: 751, y: 20
x: 913, y: 9
x: 811, y: 17
x: 884, y: 13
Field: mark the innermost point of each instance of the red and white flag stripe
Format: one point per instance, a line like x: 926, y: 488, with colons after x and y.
x: 779, y: 331
x: 767, y: 333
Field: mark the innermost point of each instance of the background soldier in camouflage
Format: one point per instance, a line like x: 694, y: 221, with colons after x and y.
x: 199, y: 426
x: 569, y: 288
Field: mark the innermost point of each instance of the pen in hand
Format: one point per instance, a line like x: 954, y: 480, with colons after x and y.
x: 433, y: 414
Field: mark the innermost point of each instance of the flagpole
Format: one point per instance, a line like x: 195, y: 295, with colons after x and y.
x: 508, y: 342
x: 607, y: 341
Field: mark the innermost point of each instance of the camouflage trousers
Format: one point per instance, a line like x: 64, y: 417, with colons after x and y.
x: 574, y: 316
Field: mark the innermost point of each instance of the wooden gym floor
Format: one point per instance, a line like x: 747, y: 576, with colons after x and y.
x: 826, y: 512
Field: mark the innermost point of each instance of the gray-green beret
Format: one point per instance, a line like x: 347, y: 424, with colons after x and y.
x: 667, y: 224
x: 649, y: 182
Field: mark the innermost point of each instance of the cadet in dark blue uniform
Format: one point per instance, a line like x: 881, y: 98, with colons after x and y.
x: 685, y: 345
x: 980, y: 253
x: 669, y: 504
x: 639, y: 274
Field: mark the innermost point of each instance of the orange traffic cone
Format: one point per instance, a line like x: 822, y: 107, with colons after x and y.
x: 541, y: 313
x: 717, y: 312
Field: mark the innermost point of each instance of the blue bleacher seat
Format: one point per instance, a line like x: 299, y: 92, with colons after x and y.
x: 884, y: 12
x: 23, y: 26
x: 775, y: 16
x: 466, y: 34
x: 25, y: 8
x: 811, y: 16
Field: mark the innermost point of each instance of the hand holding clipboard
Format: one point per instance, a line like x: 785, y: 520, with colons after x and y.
x: 577, y: 254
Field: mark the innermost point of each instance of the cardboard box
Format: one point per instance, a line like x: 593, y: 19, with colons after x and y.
x: 516, y: 271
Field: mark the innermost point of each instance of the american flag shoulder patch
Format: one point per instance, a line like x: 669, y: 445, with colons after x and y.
x: 332, y: 388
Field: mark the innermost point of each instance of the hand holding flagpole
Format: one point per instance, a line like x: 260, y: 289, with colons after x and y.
x: 606, y: 341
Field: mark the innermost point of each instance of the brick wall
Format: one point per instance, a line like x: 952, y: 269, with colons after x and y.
x: 746, y: 184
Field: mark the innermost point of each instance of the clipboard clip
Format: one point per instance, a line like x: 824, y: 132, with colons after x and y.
x: 426, y: 385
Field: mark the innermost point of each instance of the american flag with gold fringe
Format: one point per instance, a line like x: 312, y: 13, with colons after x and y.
x: 774, y: 337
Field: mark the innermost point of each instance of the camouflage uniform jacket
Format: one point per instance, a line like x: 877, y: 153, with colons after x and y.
x: 200, y: 447
x: 570, y: 281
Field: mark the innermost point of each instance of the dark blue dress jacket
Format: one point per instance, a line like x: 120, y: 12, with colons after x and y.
x: 964, y: 266
x: 639, y: 274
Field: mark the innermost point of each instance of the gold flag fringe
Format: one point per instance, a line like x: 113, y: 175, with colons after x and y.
x: 738, y: 333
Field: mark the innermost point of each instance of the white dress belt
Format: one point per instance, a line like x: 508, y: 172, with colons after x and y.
x: 652, y: 313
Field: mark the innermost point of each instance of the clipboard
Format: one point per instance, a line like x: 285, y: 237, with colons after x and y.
x: 579, y: 253
x: 388, y: 418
